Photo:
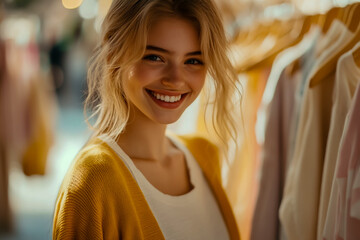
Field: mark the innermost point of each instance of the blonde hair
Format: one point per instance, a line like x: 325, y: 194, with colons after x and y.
x: 123, y: 43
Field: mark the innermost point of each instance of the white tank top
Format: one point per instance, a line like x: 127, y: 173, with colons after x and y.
x: 194, y: 215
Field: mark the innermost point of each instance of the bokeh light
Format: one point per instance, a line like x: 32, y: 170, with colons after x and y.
x: 71, y: 4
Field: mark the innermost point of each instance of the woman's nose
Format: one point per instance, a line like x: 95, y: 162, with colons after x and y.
x: 173, y: 76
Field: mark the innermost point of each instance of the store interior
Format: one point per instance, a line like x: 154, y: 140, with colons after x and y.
x: 45, y: 46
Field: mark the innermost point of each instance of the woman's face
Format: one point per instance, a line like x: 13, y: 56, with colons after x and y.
x: 170, y: 75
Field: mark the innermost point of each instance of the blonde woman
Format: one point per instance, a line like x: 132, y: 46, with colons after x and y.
x: 132, y: 180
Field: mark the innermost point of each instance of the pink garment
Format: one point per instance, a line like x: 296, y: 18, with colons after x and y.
x: 346, y: 81
x: 5, y: 211
x: 26, y: 120
x: 347, y: 212
x: 14, y: 91
x: 273, y: 159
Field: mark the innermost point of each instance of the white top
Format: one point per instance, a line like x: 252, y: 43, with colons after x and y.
x: 194, y: 215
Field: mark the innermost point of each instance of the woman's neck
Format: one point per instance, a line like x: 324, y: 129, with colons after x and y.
x: 144, y: 140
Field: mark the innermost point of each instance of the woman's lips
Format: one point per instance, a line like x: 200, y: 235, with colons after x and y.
x: 167, y: 100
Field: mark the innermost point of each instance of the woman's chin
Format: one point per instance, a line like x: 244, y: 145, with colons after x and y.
x: 166, y: 119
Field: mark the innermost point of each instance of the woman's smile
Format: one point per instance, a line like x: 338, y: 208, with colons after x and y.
x: 170, y: 100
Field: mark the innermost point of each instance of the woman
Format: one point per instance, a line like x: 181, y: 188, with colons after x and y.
x: 132, y: 180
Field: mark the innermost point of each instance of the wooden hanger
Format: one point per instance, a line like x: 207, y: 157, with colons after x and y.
x: 306, y: 23
x: 242, y: 35
x: 256, y: 31
x: 276, y: 30
x: 267, y: 29
x: 347, y: 12
x: 353, y: 24
x: 332, y: 14
x: 249, y: 42
x: 340, y: 13
x: 319, y: 20
x: 354, y: 18
x: 356, y: 56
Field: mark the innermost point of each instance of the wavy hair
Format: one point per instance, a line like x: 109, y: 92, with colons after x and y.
x: 123, y: 42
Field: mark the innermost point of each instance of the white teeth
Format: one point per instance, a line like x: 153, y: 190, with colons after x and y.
x: 166, y: 98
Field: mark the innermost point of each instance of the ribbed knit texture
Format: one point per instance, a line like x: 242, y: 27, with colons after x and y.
x: 100, y: 199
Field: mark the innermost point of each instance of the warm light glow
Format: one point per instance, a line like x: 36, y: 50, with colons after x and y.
x: 97, y: 23
x: 104, y: 6
x: 71, y: 4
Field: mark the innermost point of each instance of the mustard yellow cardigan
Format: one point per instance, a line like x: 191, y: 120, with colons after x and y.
x: 100, y: 199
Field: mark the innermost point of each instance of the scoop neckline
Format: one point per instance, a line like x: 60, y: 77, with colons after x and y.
x: 143, y: 181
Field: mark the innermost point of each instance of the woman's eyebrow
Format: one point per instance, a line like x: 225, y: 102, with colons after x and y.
x: 151, y: 47
x: 194, y: 53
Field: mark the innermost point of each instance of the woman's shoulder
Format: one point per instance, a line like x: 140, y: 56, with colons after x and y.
x: 95, y: 156
x: 95, y: 168
x: 90, y: 191
x: 97, y: 175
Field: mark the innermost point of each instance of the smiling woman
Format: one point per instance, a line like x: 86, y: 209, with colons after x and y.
x: 172, y: 68
x: 132, y: 180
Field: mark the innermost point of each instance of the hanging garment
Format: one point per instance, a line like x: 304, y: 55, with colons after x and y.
x: 348, y: 178
x: 27, y: 118
x: 13, y: 131
x: 41, y: 118
x: 277, y: 107
x: 347, y: 78
x: 309, y: 60
x: 299, y: 206
x: 306, y: 62
x: 338, y: 223
x: 5, y: 212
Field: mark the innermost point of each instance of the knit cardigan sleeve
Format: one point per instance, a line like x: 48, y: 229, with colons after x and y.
x: 100, y: 199
x: 85, y: 207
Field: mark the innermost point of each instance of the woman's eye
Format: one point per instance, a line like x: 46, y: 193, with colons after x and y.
x: 194, y: 61
x: 153, y: 58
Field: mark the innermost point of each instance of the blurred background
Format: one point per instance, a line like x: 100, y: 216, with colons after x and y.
x: 42, y: 89
x: 44, y: 49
